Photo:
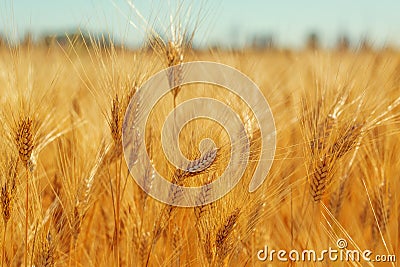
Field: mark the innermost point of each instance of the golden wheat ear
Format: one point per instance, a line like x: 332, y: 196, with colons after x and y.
x: 24, y: 139
x: 45, y: 255
x: 223, y: 243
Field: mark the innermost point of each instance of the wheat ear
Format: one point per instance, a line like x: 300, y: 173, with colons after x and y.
x: 7, y: 198
x: 24, y: 139
x: 222, y: 242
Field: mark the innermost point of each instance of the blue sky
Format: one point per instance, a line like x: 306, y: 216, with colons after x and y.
x: 224, y: 21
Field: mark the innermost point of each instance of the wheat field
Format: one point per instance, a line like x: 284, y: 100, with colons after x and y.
x: 67, y: 197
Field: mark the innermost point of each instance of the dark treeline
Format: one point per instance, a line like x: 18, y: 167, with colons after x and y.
x: 257, y: 42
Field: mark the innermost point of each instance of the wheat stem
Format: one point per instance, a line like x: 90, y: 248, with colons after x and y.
x: 26, y: 215
x: 4, y: 245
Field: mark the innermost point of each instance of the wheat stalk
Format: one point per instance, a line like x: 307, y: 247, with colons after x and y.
x: 327, y: 147
x: 24, y: 140
x: 174, y: 55
x: 46, y: 257
x: 7, y: 197
x: 222, y: 242
x: 381, y: 203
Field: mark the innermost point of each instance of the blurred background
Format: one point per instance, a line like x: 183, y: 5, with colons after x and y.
x: 224, y: 23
